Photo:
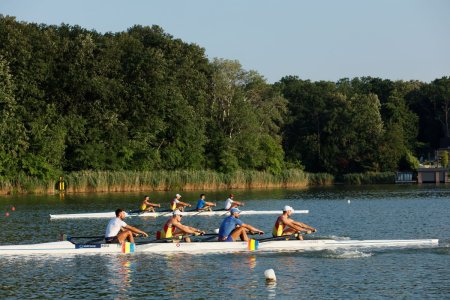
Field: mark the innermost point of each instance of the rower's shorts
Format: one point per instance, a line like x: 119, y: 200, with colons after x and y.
x: 228, y: 239
x: 112, y: 240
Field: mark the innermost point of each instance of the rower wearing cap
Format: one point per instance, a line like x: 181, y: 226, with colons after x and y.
x: 203, y: 205
x: 147, y: 206
x: 232, y: 228
x: 177, y: 204
x: 286, y: 226
x: 231, y: 203
x: 118, y: 231
x: 174, y: 228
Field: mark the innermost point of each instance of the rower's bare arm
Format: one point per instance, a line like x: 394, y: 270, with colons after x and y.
x: 135, y: 230
x: 303, y: 225
x: 253, y: 229
x: 298, y: 228
x: 184, y: 204
x: 184, y: 228
x: 197, y: 231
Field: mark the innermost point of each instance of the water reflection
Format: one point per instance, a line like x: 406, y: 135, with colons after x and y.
x: 252, y: 261
x: 271, y: 288
x: 178, y: 271
x: 120, y: 269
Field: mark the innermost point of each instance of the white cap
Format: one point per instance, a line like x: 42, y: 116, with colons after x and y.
x: 287, y: 207
x: 177, y: 195
x: 177, y: 213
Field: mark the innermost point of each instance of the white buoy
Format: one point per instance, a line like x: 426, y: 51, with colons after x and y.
x: 270, y: 275
x: 348, y: 201
x: 216, y: 230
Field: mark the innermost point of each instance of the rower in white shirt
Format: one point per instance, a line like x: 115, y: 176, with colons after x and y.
x: 231, y: 203
x: 118, y: 231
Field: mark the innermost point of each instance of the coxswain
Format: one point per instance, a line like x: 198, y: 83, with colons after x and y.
x: 286, y: 226
x: 232, y: 228
x: 118, y: 231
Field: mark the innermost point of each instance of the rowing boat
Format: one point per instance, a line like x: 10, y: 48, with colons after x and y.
x: 168, y: 213
x: 158, y: 247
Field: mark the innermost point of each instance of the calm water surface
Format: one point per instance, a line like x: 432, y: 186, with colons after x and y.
x: 381, y: 212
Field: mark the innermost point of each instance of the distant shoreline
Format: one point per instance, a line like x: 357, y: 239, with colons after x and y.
x: 187, y: 180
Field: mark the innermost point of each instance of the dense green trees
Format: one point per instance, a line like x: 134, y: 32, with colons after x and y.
x: 363, y: 124
x: 73, y: 99
x: 245, y: 116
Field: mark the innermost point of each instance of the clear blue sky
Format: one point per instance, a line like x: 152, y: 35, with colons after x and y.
x: 316, y: 40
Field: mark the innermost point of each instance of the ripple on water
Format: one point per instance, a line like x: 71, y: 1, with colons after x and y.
x: 345, y: 254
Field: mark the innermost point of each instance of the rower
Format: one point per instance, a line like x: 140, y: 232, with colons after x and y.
x: 230, y: 203
x: 173, y: 228
x: 203, y: 205
x: 177, y: 204
x: 147, y: 206
x: 232, y: 228
x: 118, y: 231
x: 286, y: 226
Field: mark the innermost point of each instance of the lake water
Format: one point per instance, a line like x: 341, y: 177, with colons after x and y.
x: 374, y: 212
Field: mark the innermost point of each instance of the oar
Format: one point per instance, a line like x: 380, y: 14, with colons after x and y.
x: 282, y: 237
x: 166, y: 213
x: 171, y: 239
x: 165, y: 240
x: 226, y: 212
x: 210, y: 236
x: 201, y: 211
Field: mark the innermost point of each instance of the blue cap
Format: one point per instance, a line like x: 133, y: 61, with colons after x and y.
x: 234, y: 210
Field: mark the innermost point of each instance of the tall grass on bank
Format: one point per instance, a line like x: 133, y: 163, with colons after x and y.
x: 100, y: 181
x: 368, y: 178
x: 128, y: 181
x: 25, y: 184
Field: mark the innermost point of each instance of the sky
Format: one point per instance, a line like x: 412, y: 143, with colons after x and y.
x: 314, y: 40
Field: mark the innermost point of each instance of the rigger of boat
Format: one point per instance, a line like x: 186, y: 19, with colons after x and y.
x: 208, y: 243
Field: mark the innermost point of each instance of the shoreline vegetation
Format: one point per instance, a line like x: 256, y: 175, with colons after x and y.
x: 131, y: 181
x: 131, y: 105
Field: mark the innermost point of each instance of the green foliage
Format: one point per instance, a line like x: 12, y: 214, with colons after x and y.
x: 444, y: 159
x: 245, y: 119
x: 13, y: 137
x: 141, y: 101
x: 368, y: 178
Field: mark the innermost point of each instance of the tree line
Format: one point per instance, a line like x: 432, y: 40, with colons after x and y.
x: 73, y: 99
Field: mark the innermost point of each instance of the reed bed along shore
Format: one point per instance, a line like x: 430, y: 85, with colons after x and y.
x: 368, y: 178
x: 131, y: 181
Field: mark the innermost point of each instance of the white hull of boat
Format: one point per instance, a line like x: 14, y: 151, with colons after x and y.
x: 66, y: 247
x: 168, y: 213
